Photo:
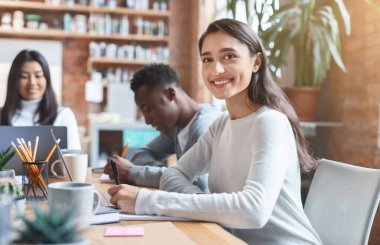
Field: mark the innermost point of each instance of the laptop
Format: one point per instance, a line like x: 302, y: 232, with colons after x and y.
x: 29, y: 133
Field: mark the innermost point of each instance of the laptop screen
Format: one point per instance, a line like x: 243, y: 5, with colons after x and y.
x: 29, y: 133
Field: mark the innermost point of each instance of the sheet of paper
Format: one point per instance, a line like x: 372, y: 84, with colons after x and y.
x: 119, y: 231
x: 105, y: 215
x: 105, y: 218
x: 124, y: 216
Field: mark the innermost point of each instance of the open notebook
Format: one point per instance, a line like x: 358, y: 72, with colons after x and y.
x: 105, y: 197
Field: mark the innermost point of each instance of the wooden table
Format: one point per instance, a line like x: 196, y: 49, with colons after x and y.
x: 159, y: 232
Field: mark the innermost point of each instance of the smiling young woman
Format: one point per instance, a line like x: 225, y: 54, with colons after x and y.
x: 32, y: 81
x: 31, y: 100
x: 253, y: 154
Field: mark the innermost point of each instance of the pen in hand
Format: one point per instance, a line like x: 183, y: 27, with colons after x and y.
x: 115, y: 172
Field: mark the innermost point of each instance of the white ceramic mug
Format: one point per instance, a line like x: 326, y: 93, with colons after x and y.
x: 77, y: 165
x: 7, y: 173
x: 81, y: 197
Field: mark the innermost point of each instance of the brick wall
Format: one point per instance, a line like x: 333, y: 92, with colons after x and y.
x: 75, y: 55
x: 183, y: 28
x: 354, y: 96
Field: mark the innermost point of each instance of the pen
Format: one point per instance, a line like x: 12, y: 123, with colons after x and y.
x: 115, y: 172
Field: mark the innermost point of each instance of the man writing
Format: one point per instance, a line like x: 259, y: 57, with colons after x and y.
x: 171, y: 111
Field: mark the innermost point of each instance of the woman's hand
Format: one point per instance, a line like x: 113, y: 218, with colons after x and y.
x: 124, y: 197
x: 123, y: 166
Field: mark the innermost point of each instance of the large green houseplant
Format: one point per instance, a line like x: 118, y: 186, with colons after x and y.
x: 312, y: 29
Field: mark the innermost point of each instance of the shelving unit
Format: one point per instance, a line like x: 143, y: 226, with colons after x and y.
x: 54, y: 17
x: 60, y: 35
x: 95, y: 61
x: 40, y: 6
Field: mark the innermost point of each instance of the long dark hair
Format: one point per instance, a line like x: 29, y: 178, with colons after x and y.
x: 48, y: 106
x: 263, y: 89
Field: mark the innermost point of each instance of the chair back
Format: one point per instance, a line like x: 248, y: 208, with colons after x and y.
x: 342, y: 202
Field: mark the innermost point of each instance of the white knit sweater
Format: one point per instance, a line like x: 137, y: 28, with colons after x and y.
x: 254, y: 180
x: 26, y: 117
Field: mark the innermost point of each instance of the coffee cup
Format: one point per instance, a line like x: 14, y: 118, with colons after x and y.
x: 7, y: 173
x: 77, y: 165
x: 80, y: 197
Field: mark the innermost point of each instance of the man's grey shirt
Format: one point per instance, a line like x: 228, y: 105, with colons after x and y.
x: 150, y: 161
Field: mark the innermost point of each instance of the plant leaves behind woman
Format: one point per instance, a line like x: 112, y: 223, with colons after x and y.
x: 5, y: 156
x: 312, y: 28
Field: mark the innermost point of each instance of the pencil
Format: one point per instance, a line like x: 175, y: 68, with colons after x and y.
x: 30, y: 148
x: 25, y: 153
x: 35, y: 148
x: 17, y: 152
x: 52, y: 150
x: 125, y: 149
x: 33, y: 168
x: 23, y: 143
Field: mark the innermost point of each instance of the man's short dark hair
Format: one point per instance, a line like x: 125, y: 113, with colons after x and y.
x: 154, y: 76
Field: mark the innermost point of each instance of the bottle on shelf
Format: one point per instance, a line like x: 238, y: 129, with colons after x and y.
x: 18, y: 20
x: 139, y: 25
x: 124, y: 25
x: 67, y: 22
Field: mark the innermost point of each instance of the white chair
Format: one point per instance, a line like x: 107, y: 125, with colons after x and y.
x: 342, y: 202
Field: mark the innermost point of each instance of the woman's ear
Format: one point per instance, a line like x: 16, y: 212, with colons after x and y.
x: 258, y: 59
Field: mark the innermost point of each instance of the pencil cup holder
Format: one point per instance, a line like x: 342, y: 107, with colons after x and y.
x: 35, y: 180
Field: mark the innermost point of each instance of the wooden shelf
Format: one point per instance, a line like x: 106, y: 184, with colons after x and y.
x: 100, y: 62
x: 109, y: 61
x: 39, y: 6
x: 59, y: 35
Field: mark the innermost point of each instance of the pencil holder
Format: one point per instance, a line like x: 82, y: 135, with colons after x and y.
x: 35, y: 180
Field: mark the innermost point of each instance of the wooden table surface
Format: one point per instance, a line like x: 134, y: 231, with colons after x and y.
x: 160, y: 232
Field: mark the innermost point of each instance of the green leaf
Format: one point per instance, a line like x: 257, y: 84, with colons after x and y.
x: 339, y: 7
x: 5, y: 156
x: 54, y: 226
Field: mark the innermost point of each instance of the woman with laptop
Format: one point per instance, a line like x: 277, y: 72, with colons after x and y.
x: 31, y: 100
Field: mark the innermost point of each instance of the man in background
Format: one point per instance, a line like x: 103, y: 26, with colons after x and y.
x: 180, y: 120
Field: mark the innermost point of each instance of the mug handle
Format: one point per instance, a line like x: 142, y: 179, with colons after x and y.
x: 96, y: 202
x: 53, y: 171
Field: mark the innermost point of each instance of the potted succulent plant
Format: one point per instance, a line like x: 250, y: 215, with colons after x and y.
x: 5, y: 156
x: 10, y: 187
x: 311, y: 29
x: 50, y: 227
